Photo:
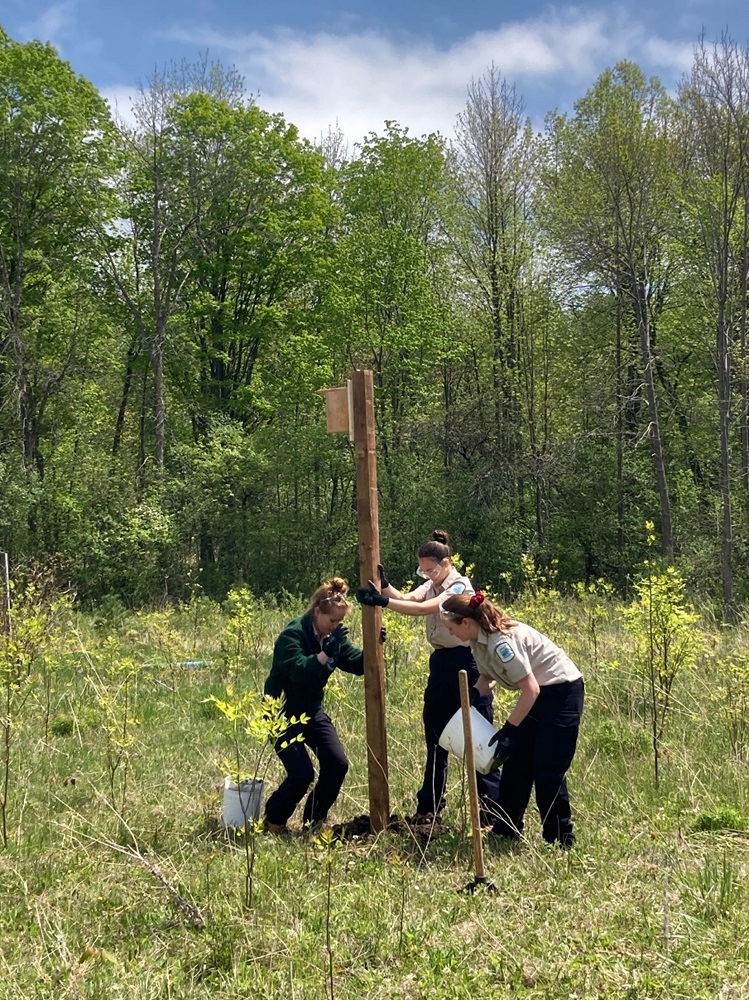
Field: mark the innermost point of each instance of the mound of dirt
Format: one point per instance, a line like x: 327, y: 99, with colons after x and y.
x: 420, y: 826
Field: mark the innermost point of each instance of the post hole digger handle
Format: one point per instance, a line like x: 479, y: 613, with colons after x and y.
x: 473, y: 795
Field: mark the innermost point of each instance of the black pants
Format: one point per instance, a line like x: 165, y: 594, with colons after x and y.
x: 321, y: 737
x: 543, y: 752
x: 441, y: 702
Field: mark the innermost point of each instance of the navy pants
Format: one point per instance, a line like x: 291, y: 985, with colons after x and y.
x: 543, y: 751
x: 441, y: 702
x: 322, y: 739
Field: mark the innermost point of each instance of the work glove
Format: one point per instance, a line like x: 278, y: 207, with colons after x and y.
x: 331, y: 644
x: 505, y: 741
x: 474, y: 695
x: 384, y: 582
x: 371, y: 596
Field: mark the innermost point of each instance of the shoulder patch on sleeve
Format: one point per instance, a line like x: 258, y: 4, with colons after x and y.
x: 505, y: 652
x: 456, y: 588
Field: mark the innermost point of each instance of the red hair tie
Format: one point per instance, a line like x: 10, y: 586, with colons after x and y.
x: 476, y: 599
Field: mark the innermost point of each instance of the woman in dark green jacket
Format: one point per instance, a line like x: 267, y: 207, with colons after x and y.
x: 304, y: 656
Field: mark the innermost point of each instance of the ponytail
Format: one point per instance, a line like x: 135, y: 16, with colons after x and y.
x: 478, y: 608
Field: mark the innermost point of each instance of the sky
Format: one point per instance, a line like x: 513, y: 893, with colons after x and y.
x: 354, y: 65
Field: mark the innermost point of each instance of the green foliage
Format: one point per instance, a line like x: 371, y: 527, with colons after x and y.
x: 245, y: 636
x: 714, y: 889
x: 259, y: 717
x: 727, y: 667
x: 666, y: 638
x: 596, y: 601
x: 386, y: 291
x: 538, y: 602
x: 651, y: 909
x: 164, y: 444
x: 620, y: 739
x: 32, y: 613
x: 55, y: 144
x: 261, y: 213
x: 663, y: 627
x: 262, y: 719
x: 403, y: 634
x: 113, y: 682
x: 513, y: 295
x: 25, y: 637
x: 62, y: 725
x: 724, y: 818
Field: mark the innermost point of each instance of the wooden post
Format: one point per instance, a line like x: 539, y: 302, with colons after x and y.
x: 351, y: 408
x: 369, y: 556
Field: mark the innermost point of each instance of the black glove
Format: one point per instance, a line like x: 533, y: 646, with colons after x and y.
x: 505, y: 741
x: 331, y: 644
x: 384, y: 582
x: 475, y: 696
x: 372, y: 597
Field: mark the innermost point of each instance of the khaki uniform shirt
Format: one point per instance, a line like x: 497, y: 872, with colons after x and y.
x: 454, y: 583
x: 508, y: 657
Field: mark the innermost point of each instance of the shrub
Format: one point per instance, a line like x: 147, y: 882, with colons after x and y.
x: 723, y: 818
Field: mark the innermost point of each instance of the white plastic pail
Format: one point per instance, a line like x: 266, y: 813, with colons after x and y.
x: 482, y: 731
x: 241, y: 802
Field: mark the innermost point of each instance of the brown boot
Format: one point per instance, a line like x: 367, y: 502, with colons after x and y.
x: 277, y: 829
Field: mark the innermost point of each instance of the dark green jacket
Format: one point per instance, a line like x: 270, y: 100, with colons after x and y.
x: 298, y: 674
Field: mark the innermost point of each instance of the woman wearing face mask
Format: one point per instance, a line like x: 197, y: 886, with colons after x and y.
x: 449, y: 656
x: 304, y: 656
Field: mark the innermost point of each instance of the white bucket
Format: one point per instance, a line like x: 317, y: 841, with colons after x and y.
x: 482, y: 730
x: 241, y: 802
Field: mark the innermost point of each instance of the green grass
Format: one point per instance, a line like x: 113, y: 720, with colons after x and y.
x: 652, y: 903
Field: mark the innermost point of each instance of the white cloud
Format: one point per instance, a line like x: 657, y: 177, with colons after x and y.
x: 677, y: 56
x: 120, y: 101
x: 359, y: 80
x: 54, y: 24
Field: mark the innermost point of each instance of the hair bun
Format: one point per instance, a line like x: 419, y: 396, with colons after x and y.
x: 441, y: 536
x: 338, y: 585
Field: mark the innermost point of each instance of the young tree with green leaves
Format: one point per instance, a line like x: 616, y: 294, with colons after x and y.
x: 666, y: 638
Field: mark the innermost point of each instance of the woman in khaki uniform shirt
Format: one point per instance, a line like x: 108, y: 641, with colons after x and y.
x: 537, y: 743
x: 450, y: 654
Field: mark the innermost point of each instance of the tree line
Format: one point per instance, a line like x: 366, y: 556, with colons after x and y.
x: 556, y: 321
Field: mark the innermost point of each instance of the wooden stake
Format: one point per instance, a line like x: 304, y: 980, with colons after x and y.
x: 369, y: 557
x: 473, y: 795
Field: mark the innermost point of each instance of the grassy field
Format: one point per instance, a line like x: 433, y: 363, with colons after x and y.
x: 118, y: 881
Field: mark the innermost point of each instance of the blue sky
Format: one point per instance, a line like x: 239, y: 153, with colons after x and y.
x: 357, y: 64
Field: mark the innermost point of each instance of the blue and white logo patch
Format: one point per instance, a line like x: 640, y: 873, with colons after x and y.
x: 457, y: 588
x: 505, y: 652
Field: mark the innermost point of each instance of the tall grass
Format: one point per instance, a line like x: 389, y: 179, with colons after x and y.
x: 652, y: 902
